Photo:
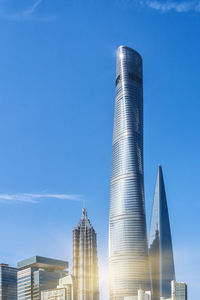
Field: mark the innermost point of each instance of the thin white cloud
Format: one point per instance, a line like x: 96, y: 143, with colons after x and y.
x: 178, y: 6
x: 28, y: 14
x: 36, y: 197
x: 32, y: 8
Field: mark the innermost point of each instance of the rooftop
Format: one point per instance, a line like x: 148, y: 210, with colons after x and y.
x: 43, y: 262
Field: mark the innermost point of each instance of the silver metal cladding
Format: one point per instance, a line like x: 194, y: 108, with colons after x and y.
x: 128, y: 249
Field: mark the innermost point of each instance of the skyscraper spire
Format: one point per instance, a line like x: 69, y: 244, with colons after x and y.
x: 84, y: 211
x: 160, y: 243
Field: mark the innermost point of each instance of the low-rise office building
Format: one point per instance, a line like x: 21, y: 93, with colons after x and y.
x: 38, y: 273
x: 142, y: 295
x: 178, y: 291
x: 8, y: 282
x: 64, y: 291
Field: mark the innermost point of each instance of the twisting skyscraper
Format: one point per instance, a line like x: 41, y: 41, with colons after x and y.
x: 128, y: 249
x: 160, y: 243
x: 85, y: 264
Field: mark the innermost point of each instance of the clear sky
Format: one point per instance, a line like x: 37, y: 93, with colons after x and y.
x: 57, y: 81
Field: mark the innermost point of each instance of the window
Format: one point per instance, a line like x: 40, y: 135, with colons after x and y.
x: 135, y: 78
x: 118, y: 79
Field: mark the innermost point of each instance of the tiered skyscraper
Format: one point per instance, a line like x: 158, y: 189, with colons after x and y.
x: 85, y: 264
x: 128, y: 248
x: 160, y: 243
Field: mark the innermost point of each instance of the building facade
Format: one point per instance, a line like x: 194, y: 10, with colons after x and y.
x: 179, y: 290
x: 160, y: 243
x: 142, y: 295
x: 85, y: 263
x: 64, y: 291
x: 38, y: 273
x: 128, y: 248
x: 8, y: 282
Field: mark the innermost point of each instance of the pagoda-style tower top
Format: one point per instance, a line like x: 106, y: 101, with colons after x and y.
x: 85, y: 262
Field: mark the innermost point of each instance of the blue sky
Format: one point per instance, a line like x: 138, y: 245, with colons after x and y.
x: 57, y: 80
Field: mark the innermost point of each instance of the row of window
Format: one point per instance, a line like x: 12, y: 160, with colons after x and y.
x: 131, y: 76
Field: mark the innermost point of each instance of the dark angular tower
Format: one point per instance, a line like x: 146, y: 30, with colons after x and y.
x: 85, y: 264
x: 160, y: 243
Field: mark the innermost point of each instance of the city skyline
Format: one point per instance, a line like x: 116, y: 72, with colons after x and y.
x: 57, y: 99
